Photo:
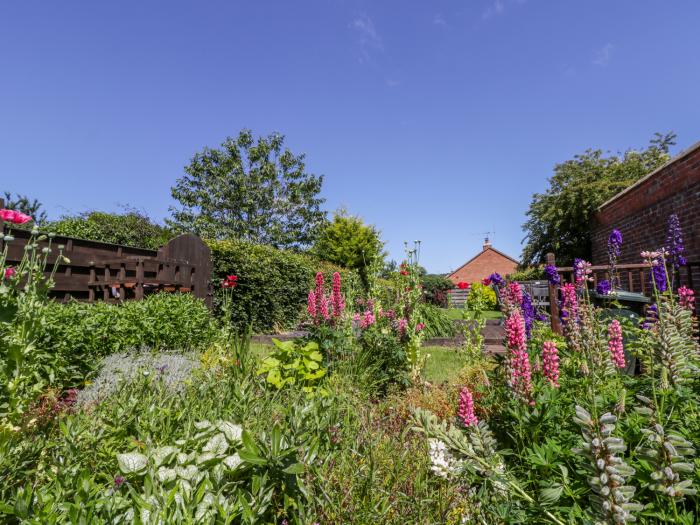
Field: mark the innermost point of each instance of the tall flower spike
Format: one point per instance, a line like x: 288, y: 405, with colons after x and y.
x: 465, y: 412
x: 550, y: 271
x: 311, y: 304
x: 320, y: 292
x: 337, y: 300
x: 519, y: 361
x: 674, y: 242
x: 617, y: 353
x: 550, y: 363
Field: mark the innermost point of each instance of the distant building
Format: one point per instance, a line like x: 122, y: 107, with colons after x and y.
x: 483, y: 264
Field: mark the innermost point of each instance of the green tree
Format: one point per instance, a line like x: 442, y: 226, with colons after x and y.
x: 250, y: 189
x: 131, y: 228
x: 349, y: 242
x: 559, y: 219
x: 24, y: 204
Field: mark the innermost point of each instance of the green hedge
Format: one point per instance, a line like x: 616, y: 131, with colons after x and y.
x: 273, y: 284
x: 79, y: 334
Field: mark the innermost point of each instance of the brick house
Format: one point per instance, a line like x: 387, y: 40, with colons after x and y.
x: 483, y: 264
x: 641, y: 213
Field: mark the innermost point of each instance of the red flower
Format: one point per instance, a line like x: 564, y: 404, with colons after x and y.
x: 462, y: 285
x: 231, y: 281
x: 13, y: 216
x: 10, y: 272
x: 486, y: 281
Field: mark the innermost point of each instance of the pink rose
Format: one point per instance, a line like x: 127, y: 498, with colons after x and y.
x: 10, y: 272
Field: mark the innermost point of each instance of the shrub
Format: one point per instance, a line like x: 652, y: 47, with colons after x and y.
x: 273, y: 284
x: 79, y: 334
x: 482, y: 295
x: 435, y: 289
x: 530, y: 273
x: 132, y: 228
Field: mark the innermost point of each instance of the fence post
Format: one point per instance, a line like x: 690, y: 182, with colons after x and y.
x: 553, y: 300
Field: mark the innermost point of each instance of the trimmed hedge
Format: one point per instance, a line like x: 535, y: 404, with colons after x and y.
x: 273, y: 284
x: 78, y: 335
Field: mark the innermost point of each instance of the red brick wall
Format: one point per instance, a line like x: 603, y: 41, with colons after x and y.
x: 482, y: 266
x: 641, y: 214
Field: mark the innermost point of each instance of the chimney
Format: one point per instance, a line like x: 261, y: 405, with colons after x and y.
x: 487, y: 243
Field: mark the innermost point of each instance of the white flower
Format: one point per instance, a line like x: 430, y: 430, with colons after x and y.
x: 443, y: 462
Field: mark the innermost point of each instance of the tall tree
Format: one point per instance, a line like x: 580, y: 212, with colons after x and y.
x: 250, y: 189
x: 349, y: 242
x: 31, y: 207
x: 559, y: 219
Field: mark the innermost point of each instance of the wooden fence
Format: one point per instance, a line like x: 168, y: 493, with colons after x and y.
x: 114, y: 273
x: 633, y: 278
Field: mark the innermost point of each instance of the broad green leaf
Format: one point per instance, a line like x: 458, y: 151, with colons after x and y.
x: 132, y: 463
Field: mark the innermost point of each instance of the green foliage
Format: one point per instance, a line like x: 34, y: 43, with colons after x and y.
x: 437, y: 322
x: 77, y: 335
x: 559, y: 219
x: 293, y: 364
x: 435, y: 287
x: 251, y: 189
x: 349, y: 242
x: 24, y: 204
x: 530, y: 273
x: 131, y: 228
x: 273, y: 284
x: 481, y: 298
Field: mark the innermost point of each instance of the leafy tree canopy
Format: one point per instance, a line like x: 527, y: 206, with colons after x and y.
x: 24, y: 204
x: 351, y: 243
x: 250, y: 189
x: 131, y: 228
x: 559, y: 219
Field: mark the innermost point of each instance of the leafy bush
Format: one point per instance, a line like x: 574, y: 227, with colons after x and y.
x: 435, y: 289
x: 272, y: 284
x: 481, y: 297
x: 132, y: 228
x: 79, y: 334
x: 530, y: 273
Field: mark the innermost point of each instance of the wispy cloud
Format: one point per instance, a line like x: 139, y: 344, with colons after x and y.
x: 368, y: 39
x: 439, y: 20
x: 495, y: 8
x: 603, y: 55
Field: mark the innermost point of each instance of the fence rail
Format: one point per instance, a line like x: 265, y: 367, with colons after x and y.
x: 633, y: 277
x: 114, y: 273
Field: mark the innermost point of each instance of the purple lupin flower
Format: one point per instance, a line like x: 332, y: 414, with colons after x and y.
x: 528, y: 313
x: 614, y: 245
x: 604, y: 287
x: 550, y: 271
x: 651, y: 316
x: 674, y: 242
x: 658, y: 274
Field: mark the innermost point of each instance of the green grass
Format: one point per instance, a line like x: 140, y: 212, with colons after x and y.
x: 456, y: 313
x: 443, y: 364
x: 260, y: 351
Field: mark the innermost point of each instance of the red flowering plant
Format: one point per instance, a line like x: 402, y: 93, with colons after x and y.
x: 24, y: 289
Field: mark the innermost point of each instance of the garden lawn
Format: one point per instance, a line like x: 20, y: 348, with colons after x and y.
x: 456, y: 313
x: 443, y: 365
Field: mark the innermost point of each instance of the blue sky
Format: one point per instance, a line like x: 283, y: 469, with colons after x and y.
x: 432, y: 120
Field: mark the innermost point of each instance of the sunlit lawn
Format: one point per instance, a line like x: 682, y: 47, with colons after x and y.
x: 443, y: 364
x: 456, y: 313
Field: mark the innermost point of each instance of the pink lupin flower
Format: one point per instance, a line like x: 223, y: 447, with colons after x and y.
x: 311, y: 304
x: 10, y: 272
x: 336, y: 297
x: 465, y: 411
x: 320, y: 296
x: 569, y: 303
x: 550, y: 362
x: 520, y: 370
x: 401, y: 326
x: 367, y: 319
x: 617, y: 353
x: 686, y: 298
x: 323, y: 308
